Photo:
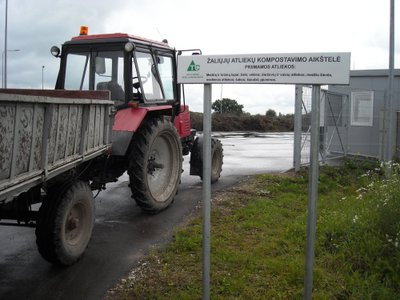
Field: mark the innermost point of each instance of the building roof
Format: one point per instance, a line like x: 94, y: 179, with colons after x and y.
x: 373, y: 73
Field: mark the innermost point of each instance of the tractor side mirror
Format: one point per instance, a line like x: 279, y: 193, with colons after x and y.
x: 55, y: 51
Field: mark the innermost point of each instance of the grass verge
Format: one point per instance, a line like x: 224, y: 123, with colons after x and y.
x: 258, y: 242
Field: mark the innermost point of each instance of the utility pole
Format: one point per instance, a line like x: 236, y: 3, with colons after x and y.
x: 390, y: 110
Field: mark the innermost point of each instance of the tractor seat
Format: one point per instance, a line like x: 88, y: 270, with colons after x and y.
x: 117, y: 93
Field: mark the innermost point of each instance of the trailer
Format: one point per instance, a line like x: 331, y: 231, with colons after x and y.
x: 46, y: 139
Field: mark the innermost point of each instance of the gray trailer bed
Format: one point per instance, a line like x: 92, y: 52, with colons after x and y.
x: 45, y: 133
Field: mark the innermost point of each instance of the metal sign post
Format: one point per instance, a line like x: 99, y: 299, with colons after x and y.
x: 206, y: 190
x: 312, y: 192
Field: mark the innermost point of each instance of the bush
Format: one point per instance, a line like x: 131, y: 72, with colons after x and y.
x: 244, y: 122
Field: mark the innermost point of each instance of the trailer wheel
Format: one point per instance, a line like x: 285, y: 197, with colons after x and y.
x: 65, y: 224
x: 155, y: 165
x: 196, y: 158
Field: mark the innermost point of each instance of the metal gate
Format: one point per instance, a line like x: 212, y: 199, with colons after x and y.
x: 333, y: 127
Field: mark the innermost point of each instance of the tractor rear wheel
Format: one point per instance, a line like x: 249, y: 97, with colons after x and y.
x: 196, y: 158
x: 155, y: 164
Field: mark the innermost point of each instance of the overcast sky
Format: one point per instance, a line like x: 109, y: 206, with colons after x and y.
x: 217, y: 27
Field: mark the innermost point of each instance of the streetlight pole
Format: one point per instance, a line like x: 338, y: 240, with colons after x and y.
x: 221, y: 98
x: 5, y: 47
x: 42, y: 77
x: 3, y: 69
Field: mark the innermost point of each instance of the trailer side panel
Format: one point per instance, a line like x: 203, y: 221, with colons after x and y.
x: 42, y: 136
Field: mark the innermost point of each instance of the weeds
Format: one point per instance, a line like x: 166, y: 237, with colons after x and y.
x: 366, y: 235
x: 258, y: 241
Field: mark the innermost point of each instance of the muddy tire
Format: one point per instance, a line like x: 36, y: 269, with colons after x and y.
x: 155, y: 165
x: 216, y: 160
x: 196, y: 159
x: 65, y: 223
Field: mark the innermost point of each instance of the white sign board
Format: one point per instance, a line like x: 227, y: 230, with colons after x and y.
x: 299, y: 68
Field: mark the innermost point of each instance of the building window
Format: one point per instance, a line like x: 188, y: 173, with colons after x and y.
x: 362, y: 108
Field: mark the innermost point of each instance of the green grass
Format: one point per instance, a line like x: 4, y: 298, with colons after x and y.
x: 258, y: 242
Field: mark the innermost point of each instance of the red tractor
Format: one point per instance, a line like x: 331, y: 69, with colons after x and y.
x: 151, y: 130
x: 149, y: 137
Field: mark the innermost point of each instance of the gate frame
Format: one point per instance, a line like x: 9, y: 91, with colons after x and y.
x: 301, y: 139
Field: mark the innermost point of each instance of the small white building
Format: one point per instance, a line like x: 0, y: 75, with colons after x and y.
x: 354, y: 116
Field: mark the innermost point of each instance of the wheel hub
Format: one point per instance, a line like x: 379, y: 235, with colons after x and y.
x: 72, y: 223
x: 153, y: 165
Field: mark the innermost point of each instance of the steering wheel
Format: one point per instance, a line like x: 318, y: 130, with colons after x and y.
x: 136, y: 84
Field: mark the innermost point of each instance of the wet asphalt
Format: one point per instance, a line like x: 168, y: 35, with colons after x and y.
x: 123, y: 234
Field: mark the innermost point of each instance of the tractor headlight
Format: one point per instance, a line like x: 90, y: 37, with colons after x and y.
x: 129, y: 47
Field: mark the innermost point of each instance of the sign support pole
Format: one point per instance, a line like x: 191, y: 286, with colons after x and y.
x: 206, y: 190
x: 312, y: 192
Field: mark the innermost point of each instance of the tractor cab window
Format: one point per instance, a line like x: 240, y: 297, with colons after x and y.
x: 166, y: 75
x: 147, y: 74
x: 96, y: 70
x: 155, y: 72
x: 77, y: 74
x: 109, y: 73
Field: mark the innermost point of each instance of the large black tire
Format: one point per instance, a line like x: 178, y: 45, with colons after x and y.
x: 216, y: 159
x: 155, y: 165
x: 196, y: 158
x: 65, y: 223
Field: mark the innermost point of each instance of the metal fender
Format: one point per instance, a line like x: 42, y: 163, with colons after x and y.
x: 126, y: 123
x: 182, y: 122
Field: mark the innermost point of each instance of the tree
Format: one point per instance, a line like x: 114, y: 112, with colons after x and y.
x: 270, y: 113
x: 227, y: 106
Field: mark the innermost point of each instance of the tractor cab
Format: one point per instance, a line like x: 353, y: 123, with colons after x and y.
x: 133, y: 69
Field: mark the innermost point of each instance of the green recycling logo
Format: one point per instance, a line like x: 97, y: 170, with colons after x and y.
x: 193, y: 67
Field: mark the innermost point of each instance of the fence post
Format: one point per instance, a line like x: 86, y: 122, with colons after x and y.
x: 297, y: 128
